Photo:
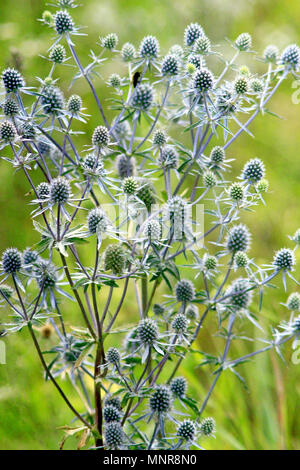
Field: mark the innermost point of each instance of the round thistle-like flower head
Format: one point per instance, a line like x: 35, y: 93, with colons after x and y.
x: 192, y: 32
x: 158, y: 309
x: 271, y: 54
x: 125, y: 166
x: 43, y: 191
x: 159, y: 138
x: 60, y: 190
x: 179, y: 324
x: 128, y: 52
x: 256, y: 85
x: 191, y: 312
x: 58, y: 54
x: 74, y: 104
x: 226, y: 100
x: 12, y: 80
x: 111, y: 414
x: 93, y: 165
x: 100, y: 137
x: 63, y: 22
x: 241, y: 85
x: 11, y: 261
x: 170, y: 65
x: 202, y: 45
x: 146, y: 194
x: 7, y: 131
x: 207, y: 426
x: 291, y: 56
x: 237, y: 192
x: 293, y: 302
x: 45, y: 274
x: 143, y: 97
x: 114, y: 435
x: 244, y: 71
x: 110, y: 41
x: 30, y: 256
x: 186, y: 430
x: 149, y: 47
x: 284, y: 259
x: 152, y: 230
x: 217, y: 156
x: 97, y: 221
x: 113, y: 401
x: 52, y: 100
x: 196, y: 60
x: 177, y: 50
x: 122, y: 130
x: 6, y: 291
x: 168, y: 157
x: 209, y: 179
x: 178, y: 387
x: 10, y: 108
x: 238, y: 238
x: 241, y: 259
x: 130, y: 185
x: 210, y: 262
x: 203, y: 80
x: 243, y: 42
x: 47, y: 17
x: 185, y: 291
x: 240, y: 295
x: 114, y: 259
x: 160, y: 401
x: 262, y: 186
x: 114, y: 80
x: 147, y: 331
x: 27, y: 131
x: 44, y: 146
x: 113, y: 356
x: 253, y: 171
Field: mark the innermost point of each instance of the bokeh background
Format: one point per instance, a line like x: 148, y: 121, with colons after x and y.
x: 266, y: 414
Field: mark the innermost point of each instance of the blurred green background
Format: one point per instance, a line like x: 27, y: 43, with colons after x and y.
x: 266, y: 416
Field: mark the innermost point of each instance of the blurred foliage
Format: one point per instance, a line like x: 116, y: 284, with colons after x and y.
x: 264, y: 416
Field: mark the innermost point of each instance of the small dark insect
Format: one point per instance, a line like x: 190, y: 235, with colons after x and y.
x: 136, y: 79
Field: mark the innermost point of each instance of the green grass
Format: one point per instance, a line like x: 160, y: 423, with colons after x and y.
x: 264, y: 416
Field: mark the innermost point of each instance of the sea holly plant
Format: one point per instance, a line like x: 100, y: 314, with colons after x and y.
x: 114, y: 214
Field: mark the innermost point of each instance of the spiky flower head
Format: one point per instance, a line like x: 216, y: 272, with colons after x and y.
x: 160, y: 401
x: 239, y: 294
x: 114, y: 435
x: 114, y: 80
x: 111, y: 414
x: 6, y: 291
x: 11, y: 261
x: 203, y: 80
x: 293, y: 302
x: 291, y: 56
x: 256, y: 85
x: 217, y: 156
x: 180, y: 324
x: 10, y: 108
x: 191, y: 312
x: 158, y: 309
x: 192, y: 32
x: 202, y: 45
x: 238, y: 238
x: 63, y: 22
x: 170, y: 65
x: 46, y: 274
x: 60, y: 190
x: 186, y: 430
x: 47, y: 17
x: 27, y: 131
x: 7, y: 131
x: 146, y: 194
x: 226, y: 100
x: 209, y: 179
x: 177, y: 50
x: 241, y: 85
x: 284, y: 259
x: 253, y: 171
x: 58, y: 54
x: 185, y: 291
x: 178, y: 387
x: 196, y: 60
x: 113, y: 356
x: 159, y: 138
x: 114, y: 259
x: 100, y: 137
x: 271, y: 54
x: 12, y: 80
x: 74, y: 104
x: 147, y: 331
x: 149, y: 47
x: 30, y: 256
x: 237, y: 192
x: 243, y: 42
x: 122, y: 130
x: 113, y: 401
x: 44, y: 146
x: 262, y: 186
x: 110, y: 41
x: 143, y: 97
x: 93, y: 165
x: 97, y: 221
x: 52, y: 100
x: 207, y: 426
x: 210, y: 262
x: 130, y: 185
x: 168, y: 157
x: 43, y: 190
x: 244, y: 70
x: 125, y: 166
x: 241, y: 259
x: 128, y: 52
x: 152, y: 230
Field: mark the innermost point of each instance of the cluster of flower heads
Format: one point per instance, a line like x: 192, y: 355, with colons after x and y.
x: 154, y: 182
